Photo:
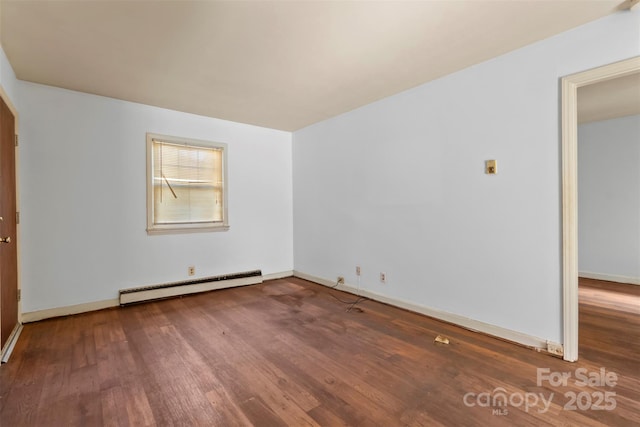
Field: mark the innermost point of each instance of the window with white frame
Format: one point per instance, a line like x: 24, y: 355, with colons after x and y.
x: 186, y: 185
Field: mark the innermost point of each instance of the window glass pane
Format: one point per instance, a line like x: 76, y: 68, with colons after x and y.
x: 187, y: 184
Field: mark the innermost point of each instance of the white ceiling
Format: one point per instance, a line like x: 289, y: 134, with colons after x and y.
x: 283, y: 65
x: 609, y: 99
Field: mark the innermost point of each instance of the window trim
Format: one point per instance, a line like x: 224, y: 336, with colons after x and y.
x: 153, y: 228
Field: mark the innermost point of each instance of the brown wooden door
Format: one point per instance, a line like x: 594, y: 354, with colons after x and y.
x: 8, y: 248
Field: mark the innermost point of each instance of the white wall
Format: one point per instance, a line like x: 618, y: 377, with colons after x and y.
x: 7, y: 77
x: 83, y: 199
x: 609, y: 198
x: 399, y: 185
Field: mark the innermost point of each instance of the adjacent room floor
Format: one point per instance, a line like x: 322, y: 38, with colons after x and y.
x: 287, y: 352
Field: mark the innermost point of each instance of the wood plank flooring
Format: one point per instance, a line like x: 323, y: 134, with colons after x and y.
x: 286, y: 353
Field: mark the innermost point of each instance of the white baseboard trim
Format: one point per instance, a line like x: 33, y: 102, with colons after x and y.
x: 34, y: 316
x: 610, y: 277
x: 11, y: 343
x: 465, y: 322
x: 278, y: 275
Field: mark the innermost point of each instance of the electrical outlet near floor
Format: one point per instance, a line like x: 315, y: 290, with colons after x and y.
x: 357, y: 270
x: 340, y: 280
x: 383, y: 277
x: 191, y: 270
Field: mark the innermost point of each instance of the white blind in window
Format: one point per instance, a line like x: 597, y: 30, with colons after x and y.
x: 187, y: 184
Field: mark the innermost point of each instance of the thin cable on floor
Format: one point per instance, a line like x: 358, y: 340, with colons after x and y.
x: 360, y: 297
x: 353, y: 303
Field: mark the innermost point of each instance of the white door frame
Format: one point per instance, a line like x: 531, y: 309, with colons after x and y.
x: 570, y: 85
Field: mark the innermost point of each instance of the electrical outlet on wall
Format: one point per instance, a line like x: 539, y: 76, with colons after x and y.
x: 383, y: 277
x: 191, y: 270
x: 357, y: 270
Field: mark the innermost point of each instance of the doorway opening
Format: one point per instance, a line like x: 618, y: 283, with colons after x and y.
x: 570, y: 85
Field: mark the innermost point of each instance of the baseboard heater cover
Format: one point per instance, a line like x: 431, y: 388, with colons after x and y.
x: 167, y: 290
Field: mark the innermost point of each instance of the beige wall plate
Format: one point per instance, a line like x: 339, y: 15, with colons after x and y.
x: 490, y: 167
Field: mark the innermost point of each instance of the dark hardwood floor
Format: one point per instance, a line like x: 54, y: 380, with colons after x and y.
x: 287, y: 353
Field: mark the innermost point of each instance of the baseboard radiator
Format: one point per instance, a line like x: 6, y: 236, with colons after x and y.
x: 167, y: 290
